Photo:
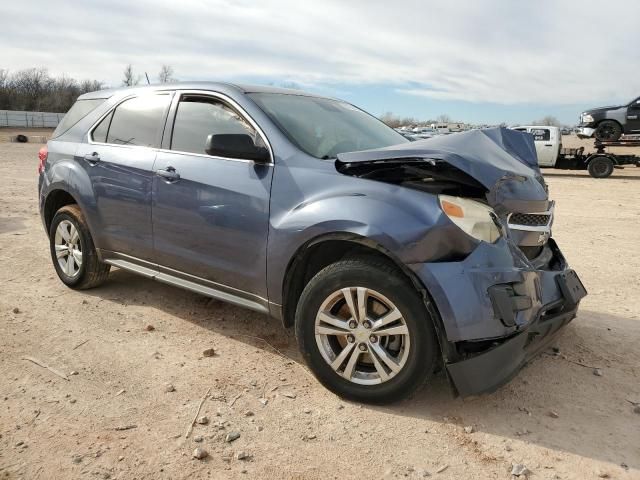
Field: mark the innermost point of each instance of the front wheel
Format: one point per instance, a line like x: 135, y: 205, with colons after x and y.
x: 72, y: 251
x: 365, y: 332
x: 608, y: 131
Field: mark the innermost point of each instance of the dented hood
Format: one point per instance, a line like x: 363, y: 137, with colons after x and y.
x: 502, y: 160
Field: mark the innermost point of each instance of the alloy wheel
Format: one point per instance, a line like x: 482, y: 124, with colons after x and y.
x: 362, y: 335
x: 68, y: 248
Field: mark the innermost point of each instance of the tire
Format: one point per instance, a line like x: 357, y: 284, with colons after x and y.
x: 22, y: 138
x: 91, y: 271
x: 600, y: 167
x: 608, y: 131
x: 415, y: 353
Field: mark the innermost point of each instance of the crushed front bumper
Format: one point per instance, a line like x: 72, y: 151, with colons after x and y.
x: 497, y: 309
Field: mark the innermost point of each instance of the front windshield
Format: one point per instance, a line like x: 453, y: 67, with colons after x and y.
x: 324, y: 128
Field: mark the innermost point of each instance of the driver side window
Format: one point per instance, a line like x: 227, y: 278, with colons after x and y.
x: 197, y: 117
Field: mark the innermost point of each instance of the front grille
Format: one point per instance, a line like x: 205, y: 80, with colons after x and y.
x: 530, y: 219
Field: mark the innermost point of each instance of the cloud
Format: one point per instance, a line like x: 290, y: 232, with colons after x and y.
x: 494, y: 51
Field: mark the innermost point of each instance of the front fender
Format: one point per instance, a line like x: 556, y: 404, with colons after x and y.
x: 407, y: 223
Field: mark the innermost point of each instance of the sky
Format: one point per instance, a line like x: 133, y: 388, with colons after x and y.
x: 488, y: 61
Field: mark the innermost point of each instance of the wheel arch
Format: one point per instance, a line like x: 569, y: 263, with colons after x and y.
x: 328, y: 248
x: 54, y: 201
x: 614, y: 120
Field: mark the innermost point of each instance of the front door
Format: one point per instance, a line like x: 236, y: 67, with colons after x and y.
x: 210, y: 214
x: 633, y: 118
x: 118, y: 157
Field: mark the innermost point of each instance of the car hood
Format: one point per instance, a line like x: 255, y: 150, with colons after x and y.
x: 602, y: 109
x: 504, y: 161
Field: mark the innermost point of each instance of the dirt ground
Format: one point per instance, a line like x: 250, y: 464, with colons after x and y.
x: 114, y: 418
x: 36, y: 134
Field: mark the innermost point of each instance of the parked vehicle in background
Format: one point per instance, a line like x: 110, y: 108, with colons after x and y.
x: 601, y: 164
x: 548, y: 142
x: 610, y: 123
x: 441, y: 128
x: 390, y: 258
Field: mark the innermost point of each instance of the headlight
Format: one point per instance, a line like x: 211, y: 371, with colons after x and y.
x: 474, y: 218
x: 586, y: 118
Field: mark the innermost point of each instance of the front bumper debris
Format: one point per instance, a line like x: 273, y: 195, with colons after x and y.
x: 498, y: 310
x: 585, y: 132
x: 491, y: 369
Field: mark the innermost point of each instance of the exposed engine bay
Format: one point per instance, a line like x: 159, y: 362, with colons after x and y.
x: 496, y: 167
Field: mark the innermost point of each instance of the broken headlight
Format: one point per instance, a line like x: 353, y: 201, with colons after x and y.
x: 474, y: 218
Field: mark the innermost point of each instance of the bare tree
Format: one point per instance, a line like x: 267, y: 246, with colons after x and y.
x: 443, y: 118
x: 391, y: 120
x: 130, y: 79
x: 34, y: 90
x: 548, y: 121
x: 166, y: 74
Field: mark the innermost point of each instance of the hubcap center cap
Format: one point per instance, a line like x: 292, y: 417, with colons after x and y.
x: 361, y: 334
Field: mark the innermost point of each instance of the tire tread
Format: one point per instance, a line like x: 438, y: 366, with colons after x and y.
x: 95, y: 272
x: 374, y: 266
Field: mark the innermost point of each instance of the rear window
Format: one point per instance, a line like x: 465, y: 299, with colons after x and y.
x: 80, y: 109
x: 541, y: 134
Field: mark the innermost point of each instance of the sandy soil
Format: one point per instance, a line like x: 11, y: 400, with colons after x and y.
x: 56, y: 428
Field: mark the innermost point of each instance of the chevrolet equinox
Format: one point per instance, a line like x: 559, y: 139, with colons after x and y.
x: 391, y: 259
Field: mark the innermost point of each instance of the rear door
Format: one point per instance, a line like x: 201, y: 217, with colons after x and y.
x: 118, y: 158
x: 544, y: 145
x: 212, y: 219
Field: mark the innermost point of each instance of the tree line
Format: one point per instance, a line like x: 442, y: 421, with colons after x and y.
x: 35, y: 90
x: 395, y: 121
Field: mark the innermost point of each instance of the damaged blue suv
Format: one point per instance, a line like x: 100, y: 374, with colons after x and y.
x: 392, y: 259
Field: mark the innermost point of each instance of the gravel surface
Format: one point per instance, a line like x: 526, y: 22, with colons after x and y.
x: 114, y: 415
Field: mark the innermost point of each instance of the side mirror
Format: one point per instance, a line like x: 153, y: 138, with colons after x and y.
x: 236, y: 145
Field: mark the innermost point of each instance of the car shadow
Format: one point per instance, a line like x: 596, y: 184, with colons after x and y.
x: 591, y: 410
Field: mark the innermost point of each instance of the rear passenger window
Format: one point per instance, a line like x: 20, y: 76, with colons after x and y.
x: 199, y: 117
x: 136, y: 121
x: 541, y: 134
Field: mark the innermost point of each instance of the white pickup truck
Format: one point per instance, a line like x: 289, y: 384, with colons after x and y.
x: 548, y: 141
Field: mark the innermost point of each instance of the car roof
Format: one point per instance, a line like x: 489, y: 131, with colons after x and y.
x: 224, y: 87
x: 536, y: 126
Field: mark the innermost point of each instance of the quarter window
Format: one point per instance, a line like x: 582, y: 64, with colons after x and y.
x: 198, y: 117
x: 541, y: 134
x: 136, y: 121
x: 100, y: 132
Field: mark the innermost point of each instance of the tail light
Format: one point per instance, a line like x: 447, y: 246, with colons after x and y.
x: 42, y: 156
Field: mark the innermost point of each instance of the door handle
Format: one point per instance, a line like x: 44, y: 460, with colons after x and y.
x: 548, y: 144
x: 92, y: 158
x: 169, y: 174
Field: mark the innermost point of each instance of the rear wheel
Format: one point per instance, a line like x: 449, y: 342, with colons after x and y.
x: 608, y: 130
x: 600, y: 167
x: 365, y: 332
x: 72, y: 251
